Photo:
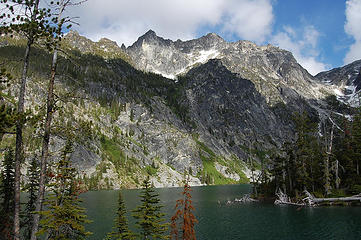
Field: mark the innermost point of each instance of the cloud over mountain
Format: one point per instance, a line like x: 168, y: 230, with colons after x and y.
x: 353, y: 28
x: 304, y: 46
x: 124, y: 21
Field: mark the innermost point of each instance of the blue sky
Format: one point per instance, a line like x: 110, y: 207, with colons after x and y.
x: 321, y: 34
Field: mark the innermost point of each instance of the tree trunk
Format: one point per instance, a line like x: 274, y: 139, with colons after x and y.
x: 327, y: 162
x: 46, y: 137
x: 289, y: 175
x: 45, y: 148
x: 284, y: 176
x: 337, y: 180
x: 19, y: 147
x: 357, y: 167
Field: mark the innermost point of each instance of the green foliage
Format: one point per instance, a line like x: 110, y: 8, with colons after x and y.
x: 356, y: 189
x: 307, y: 164
x: 149, y: 218
x: 151, y: 170
x: 8, y: 118
x: 7, y: 185
x: 63, y: 217
x: 120, y: 230
x: 32, y: 188
x: 113, y: 152
x: 209, y: 174
x: 8, y: 115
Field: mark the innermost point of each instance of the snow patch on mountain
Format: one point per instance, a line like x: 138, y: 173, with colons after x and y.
x: 204, y: 55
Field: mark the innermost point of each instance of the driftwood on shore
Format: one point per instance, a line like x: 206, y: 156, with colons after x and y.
x: 244, y: 199
x: 310, y: 200
x: 340, y: 199
x: 282, y: 198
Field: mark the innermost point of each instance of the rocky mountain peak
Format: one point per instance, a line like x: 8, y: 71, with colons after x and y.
x: 104, y: 47
x: 108, y: 45
x: 150, y: 33
x: 72, y: 33
x: 212, y: 37
x: 150, y: 38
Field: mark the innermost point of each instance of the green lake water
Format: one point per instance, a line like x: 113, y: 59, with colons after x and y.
x: 217, y: 220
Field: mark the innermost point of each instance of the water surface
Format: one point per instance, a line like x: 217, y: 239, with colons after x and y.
x: 217, y: 220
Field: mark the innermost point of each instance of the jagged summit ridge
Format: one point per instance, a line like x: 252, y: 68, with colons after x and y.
x: 270, y: 68
x: 163, y: 56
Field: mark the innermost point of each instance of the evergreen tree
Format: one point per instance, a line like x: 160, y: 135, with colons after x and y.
x: 121, y: 230
x: 64, y: 218
x: 32, y: 188
x: 278, y: 170
x: 184, y: 219
x: 345, y: 152
x: 148, y: 215
x: 7, y: 193
x: 307, y: 153
x: 356, y: 141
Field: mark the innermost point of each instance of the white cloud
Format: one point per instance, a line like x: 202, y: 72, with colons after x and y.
x: 303, y: 45
x: 251, y: 20
x: 124, y: 21
x: 353, y: 28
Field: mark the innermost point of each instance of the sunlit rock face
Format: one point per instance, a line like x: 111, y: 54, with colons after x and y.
x: 271, y: 69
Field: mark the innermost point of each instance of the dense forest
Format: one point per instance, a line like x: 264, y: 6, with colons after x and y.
x: 324, y: 159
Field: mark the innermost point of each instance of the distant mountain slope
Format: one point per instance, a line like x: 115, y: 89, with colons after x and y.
x: 229, y: 102
x: 346, y: 80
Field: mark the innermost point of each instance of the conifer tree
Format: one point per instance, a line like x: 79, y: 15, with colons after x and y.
x: 345, y: 153
x: 307, y: 152
x: 64, y: 218
x: 120, y: 230
x: 356, y: 140
x: 184, y: 220
x: 149, y: 218
x: 32, y: 188
x: 7, y: 193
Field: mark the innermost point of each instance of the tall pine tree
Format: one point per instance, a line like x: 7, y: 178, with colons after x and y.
x: 7, y: 193
x: 64, y: 218
x: 149, y: 218
x: 32, y: 188
x: 120, y: 230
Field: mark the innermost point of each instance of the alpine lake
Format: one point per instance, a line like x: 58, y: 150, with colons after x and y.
x: 219, y: 220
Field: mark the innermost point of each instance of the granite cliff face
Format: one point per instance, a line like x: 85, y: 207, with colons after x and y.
x: 168, y: 109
